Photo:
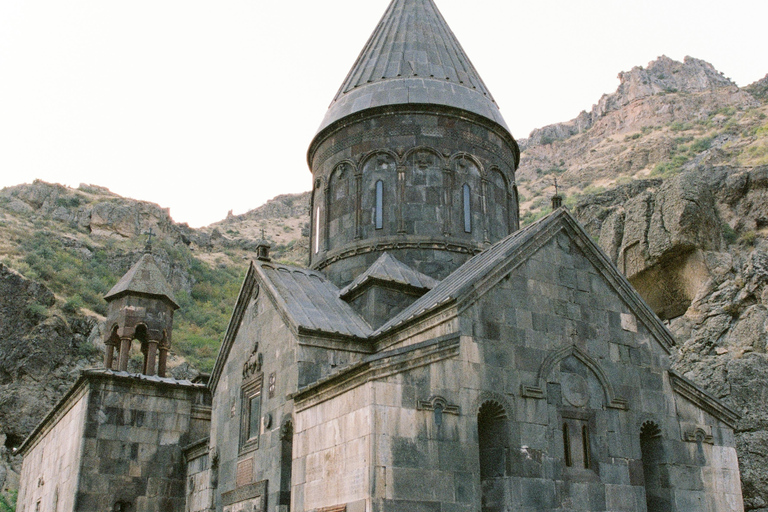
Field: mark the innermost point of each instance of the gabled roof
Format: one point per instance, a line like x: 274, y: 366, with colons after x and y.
x: 389, y: 269
x: 143, y: 278
x: 311, y: 301
x: 413, y: 57
x: 469, y: 280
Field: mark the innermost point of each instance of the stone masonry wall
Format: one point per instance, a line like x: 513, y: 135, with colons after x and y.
x: 134, y: 433
x: 50, y: 470
x: 423, y: 162
x: 268, y: 346
x: 551, y: 344
x: 332, y: 449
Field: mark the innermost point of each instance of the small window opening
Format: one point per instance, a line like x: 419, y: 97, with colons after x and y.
x: 567, y: 445
x: 254, y: 413
x: 378, y: 210
x: 317, y: 230
x: 250, y: 419
x: 585, y: 445
x: 467, y: 209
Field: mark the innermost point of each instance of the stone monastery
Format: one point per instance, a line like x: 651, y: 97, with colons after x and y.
x: 434, y: 357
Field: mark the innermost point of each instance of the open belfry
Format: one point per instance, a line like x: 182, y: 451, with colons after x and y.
x: 434, y: 357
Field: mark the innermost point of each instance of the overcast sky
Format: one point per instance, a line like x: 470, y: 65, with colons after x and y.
x: 209, y: 106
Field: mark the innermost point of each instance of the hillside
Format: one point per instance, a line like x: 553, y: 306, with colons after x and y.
x: 669, y: 174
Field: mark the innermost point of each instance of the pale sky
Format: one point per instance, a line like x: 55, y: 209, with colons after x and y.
x: 209, y: 106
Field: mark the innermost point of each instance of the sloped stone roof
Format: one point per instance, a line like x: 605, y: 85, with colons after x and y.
x: 389, y: 269
x: 311, y: 301
x: 143, y: 278
x: 465, y: 281
x: 413, y: 57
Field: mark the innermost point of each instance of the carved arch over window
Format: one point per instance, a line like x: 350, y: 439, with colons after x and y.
x: 416, y: 155
x: 379, y: 197
x: 554, y: 358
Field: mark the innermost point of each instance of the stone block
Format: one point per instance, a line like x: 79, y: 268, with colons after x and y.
x: 620, y: 498
x: 538, y: 494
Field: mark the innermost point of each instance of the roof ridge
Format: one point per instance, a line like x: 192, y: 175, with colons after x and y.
x: 447, y: 289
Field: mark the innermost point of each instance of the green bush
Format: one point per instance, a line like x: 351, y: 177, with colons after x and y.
x: 700, y: 145
x: 73, y: 305
x: 748, y: 238
x: 87, y: 350
x: 729, y: 234
x: 8, y: 501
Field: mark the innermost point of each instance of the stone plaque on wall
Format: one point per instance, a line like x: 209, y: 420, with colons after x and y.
x: 250, y: 498
x: 244, y: 472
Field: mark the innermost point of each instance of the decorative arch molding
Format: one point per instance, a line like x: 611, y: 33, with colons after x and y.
x: 468, y: 156
x: 438, y: 402
x: 537, y: 391
x: 649, y: 427
x: 495, y: 168
x: 380, y: 152
x: 486, y: 398
x: 440, y: 159
x: 341, y: 170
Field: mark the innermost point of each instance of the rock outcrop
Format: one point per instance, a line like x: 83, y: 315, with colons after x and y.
x: 660, y: 77
x: 691, y: 246
x: 41, y: 355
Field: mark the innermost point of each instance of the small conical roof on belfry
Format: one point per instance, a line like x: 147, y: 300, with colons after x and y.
x: 413, y: 57
x: 144, y: 278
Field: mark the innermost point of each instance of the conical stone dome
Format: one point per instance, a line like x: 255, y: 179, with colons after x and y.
x: 413, y: 57
x: 413, y: 156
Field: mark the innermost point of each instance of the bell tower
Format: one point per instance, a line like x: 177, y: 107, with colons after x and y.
x: 140, y: 307
x: 413, y: 156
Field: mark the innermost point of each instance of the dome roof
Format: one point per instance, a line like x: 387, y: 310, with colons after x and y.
x: 414, y: 58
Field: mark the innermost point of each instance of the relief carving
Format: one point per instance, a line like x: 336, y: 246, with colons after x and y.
x: 253, y: 365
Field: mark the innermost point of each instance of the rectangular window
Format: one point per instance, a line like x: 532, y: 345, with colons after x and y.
x: 254, y: 413
x: 250, y: 415
x: 378, y: 214
x: 317, y: 230
x: 467, y: 210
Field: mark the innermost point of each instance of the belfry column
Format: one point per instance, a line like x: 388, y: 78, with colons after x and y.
x: 125, y: 348
x: 162, y: 360
x: 109, y: 355
x: 151, y: 357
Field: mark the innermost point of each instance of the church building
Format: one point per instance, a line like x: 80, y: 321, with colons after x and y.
x: 434, y: 357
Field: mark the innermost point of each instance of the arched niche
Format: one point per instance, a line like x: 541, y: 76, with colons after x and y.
x: 341, y: 199
x: 380, y: 166
x: 318, y: 207
x: 574, y: 353
x: 656, y: 482
x: 493, y: 440
x: 423, y: 193
x: 467, y: 201
x: 498, y: 199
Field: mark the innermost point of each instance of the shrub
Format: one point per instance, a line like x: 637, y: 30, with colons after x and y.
x: 729, y: 234
x: 702, y: 144
x: 73, y: 305
x: 748, y: 238
x: 36, y: 311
